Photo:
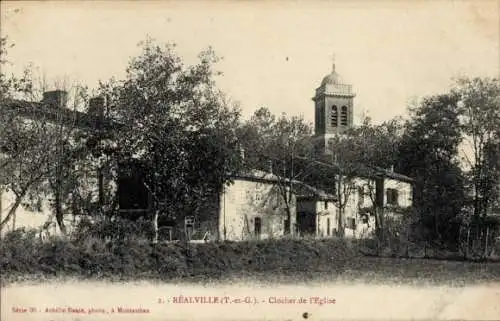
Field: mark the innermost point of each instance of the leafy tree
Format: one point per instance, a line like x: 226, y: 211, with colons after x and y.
x: 177, y: 124
x: 429, y: 153
x: 479, y: 102
x: 272, y: 144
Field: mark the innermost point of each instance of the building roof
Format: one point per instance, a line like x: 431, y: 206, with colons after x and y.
x: 332, y: 79
x: 388, y: 173
x: 53, y: 108
x: 333, y: 84
x: 53, y: 113
x: 301, y: 189
x: 361, y: 170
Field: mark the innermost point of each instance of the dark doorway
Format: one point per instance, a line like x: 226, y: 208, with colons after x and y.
x: 132, y: 193
x: 306, y: 223
x: 257, y: 226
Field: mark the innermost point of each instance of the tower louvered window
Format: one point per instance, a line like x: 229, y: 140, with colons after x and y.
x: 334, y: 116
x: 343, y: 116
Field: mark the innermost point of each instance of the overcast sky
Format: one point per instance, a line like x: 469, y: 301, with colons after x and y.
x: 275, y: 53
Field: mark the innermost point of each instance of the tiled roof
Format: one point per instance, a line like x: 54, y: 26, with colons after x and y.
x: 302, y: 188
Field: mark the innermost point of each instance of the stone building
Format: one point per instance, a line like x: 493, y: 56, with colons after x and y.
x: 59, y: 119
x: 351, y: 207
x: 254, y: 207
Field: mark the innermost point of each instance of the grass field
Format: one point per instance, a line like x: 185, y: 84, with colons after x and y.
x: 98, y: 278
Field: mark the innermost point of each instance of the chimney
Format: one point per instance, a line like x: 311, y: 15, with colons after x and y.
x: 56, y: 98
x: 96, y: 108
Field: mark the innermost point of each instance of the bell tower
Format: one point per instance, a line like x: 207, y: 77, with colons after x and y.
x: 333, y: 109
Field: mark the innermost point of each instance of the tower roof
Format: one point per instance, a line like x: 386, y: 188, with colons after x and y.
x: 333, y: 85
x: 333, y: 78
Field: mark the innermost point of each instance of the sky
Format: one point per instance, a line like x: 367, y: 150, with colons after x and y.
x: 275, y: 53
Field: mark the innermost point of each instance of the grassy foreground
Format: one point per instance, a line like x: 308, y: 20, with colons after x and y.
x: 23, y: 257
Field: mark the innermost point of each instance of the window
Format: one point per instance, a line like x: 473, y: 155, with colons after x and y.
x: 334, y: 116
x: 257, y: 226
x: 351, y: 223
x: 326, y: 205
x: 328, y: 226
x: 257, y: 194
x: 392, y: 196
x: 343, y: 116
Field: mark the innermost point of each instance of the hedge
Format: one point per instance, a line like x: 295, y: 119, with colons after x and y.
x: 23, y: 253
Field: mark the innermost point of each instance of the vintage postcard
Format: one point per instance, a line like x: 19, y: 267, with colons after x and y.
x: 249, y: 160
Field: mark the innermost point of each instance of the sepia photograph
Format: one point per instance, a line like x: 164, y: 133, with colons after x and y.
x: 249, y: 160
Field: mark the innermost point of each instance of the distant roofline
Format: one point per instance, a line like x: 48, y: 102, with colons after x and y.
x: 34, y: 109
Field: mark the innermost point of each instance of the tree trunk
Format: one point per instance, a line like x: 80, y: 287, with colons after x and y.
x: 486, y: 242
x: 340, y: 222
x: 379, y: 226
x: 59, y: 211
x: 288, y: 229
x: 12, y: 211
x: 155, y: 227
x: 468, y: 243
x: 408, y: 230
x: 19, y: 198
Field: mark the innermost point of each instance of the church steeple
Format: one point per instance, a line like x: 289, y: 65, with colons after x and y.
x: 333, y: 106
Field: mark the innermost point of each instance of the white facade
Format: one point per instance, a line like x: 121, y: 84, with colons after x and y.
x: 252, y: 209
x: 397, y: 194
x: 31, y: 216
x: 40, y: 216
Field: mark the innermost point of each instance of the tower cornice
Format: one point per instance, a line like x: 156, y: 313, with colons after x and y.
x: 326, y: 94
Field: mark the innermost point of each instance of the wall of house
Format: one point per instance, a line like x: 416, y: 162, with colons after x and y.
x: 244, y: 201
x: 31, y: 217
x: 327, y: 222
x: 362, y: 196
x: 354, y: 201
x: 405, y: 192
x: 34, y: 217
